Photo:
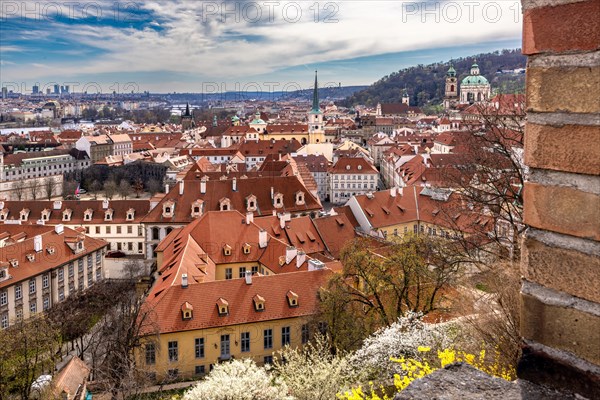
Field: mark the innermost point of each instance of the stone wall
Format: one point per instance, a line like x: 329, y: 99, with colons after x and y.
x: 561, y: 250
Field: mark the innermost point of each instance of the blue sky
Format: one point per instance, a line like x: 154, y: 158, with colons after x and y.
x: 194, y: 46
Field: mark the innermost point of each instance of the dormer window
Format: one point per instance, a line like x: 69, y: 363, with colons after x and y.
x: 225, y: 204
x: 299, y: 198
x: 45, y: 214
x: 197, y: 207
x: 87, y: 215
x: 187, y: 311
x: 246, y: 248
x: 222, y: 307
x: 169, y: 209
x: 30, y: 257
x: 278, y: 200
x: 292, y: 299
x: 51, y: 250
x: 66, y: 215
x: 24, y: 214
x: 108, y: 214
x: 347, y: 167
x: 227, y: 250
x: 14, y: 262
x: 251, y: 203
x: 130, y: 214
x: 359, y: 167
x: 3, y: 274
x: 3, y: 214
x: 259, y: 303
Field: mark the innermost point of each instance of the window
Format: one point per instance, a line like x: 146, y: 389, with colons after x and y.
x: 118, y: 229
x: 32, y: 308
x: 268, y: 338
x: 3, y: 298
x: 285, y: 335
x: 268, y: 360
x: 199, y: 347
x: 305, y: 333
x: 255, y: 270
x: 245, y: 339
x: 61, y: 274
x: 98, y: 274
x: 98, y: 230
x: 4, y: 321
x: 150, y: 354
x: 200, y: 370
x: 32, y: 286
x: 108, y: 229
x: 242, y: 272
x: 72, y: 268
x: 173, y: 351
x: 228, y: 273
x: 225, y: 346
x: 46, y: 302
x: 61, y: 293
x: 98, y: 257
x: 129, y: 229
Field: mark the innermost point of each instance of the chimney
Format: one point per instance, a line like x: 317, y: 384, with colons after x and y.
x: 272, y: 192
x: 281, y: 221
x: 314, y: 265
x: 248, y: 277
x: 393, y: 191
x: 37, y: 243
x: 300, y: 258
x: 290, y: 253
x: 167, y: 188
x: 274, y: 213
x: 59, y: 229
x: 105, y: 204
x: 181, y: 185
x: 234, y: 185
x: 57, y: 205
x: 249, y: 218
x: 262, y: 239
x: 401, y: 191
x: 202, y: 186
x: 184, y: 281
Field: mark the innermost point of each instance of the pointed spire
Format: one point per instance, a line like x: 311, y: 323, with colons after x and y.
x: 187, y: 110
x: 315, y: 105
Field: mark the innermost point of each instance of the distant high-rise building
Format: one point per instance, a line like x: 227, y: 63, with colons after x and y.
x: 4, y: 93
x: 48, y: 91
x: 35, y: 89
x: 56, y: 89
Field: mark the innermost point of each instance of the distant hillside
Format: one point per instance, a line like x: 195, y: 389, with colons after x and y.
x: 425, y: 84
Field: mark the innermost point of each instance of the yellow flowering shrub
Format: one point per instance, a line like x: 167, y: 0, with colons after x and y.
x: 414, y: 369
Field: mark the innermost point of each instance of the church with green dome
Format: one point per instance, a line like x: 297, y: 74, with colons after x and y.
x: 473, y: 88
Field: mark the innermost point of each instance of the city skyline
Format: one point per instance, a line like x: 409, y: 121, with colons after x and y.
x: 193, y: 46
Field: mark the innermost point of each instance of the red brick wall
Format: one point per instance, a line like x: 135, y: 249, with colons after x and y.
x: 561, y: 249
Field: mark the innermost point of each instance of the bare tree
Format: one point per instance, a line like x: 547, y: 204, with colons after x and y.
x: 110, y: 189
x: 18, y: 190
x: 49, y: 187
x: 124, y: 189
x: 34, y: 189
x: 95, y: 187
x: 138, y: 188
x: 153, y: 186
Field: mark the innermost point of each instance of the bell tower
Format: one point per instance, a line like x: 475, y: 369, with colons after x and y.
x: 451, y: 90
x: 316, y: 133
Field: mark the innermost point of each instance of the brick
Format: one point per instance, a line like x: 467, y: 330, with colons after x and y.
x: 563, y: 328
x: 565, y: 270
x: 566, y: 27
x: 572, y: 148
x: 562, y: 209
x: 573, y: 89
x: 540, y: 367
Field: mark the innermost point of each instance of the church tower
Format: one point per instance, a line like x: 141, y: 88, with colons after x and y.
x: 316, y: 132
x: 405, y: 97
x: 451, y: 90
x: 187, y: 119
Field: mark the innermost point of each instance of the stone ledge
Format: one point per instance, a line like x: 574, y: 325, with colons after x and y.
x: 462, y: 381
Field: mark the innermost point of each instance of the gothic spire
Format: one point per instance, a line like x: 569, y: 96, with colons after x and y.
x: 315, y: 105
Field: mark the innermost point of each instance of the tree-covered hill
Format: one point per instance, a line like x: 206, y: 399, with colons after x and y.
x: 425, y: 83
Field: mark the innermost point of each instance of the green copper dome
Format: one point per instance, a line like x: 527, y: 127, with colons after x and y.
x: 475, y: 80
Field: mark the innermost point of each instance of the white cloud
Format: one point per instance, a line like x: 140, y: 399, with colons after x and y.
x: 190, y: 37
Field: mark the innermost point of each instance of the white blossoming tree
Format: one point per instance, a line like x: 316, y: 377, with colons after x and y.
x: 402, y: 338
x: 239, y: 380
x: 313, y: 372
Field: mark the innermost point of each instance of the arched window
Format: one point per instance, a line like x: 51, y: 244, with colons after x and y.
x: 452, y: 88
x: 155, y: 233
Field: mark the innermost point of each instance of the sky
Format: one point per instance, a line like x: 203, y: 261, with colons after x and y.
x: 215, y: 46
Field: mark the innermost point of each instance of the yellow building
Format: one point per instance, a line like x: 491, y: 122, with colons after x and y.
x: 226, y: 289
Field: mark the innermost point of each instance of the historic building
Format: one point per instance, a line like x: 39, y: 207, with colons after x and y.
x: 473, y: 88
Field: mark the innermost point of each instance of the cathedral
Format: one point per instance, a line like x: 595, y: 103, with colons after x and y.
x: 474, y: 88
